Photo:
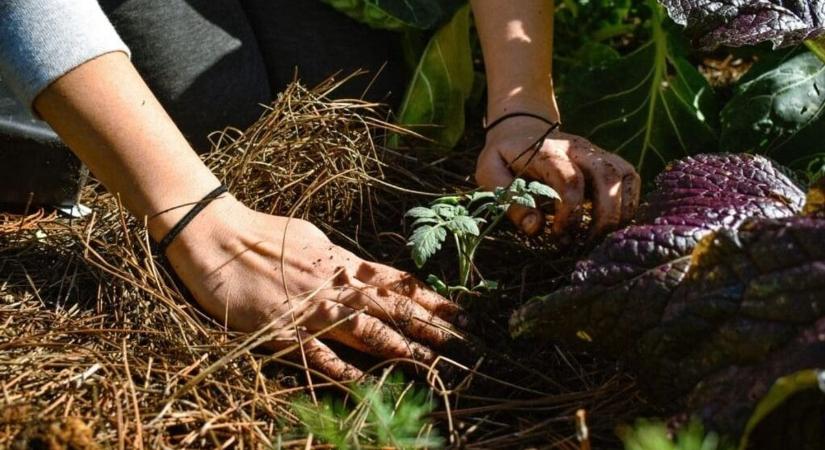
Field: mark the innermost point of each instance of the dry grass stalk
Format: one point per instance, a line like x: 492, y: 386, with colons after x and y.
x: 93, y: 330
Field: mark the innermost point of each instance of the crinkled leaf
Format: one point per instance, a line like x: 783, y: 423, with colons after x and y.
x: 426, y: 241
x: 779, y: 113
x: 717, y: 292
x: 713, y: 23
x: 620, y: 291
x: 398, y: 14
x: 434, y: 103
x: 651, y: 106
x: 463, y: 225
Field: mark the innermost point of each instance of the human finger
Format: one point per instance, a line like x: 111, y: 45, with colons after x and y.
x: 631, y: 188
x: 404, y: 284
x: 370, y: 335
x: 493, y: 172
x: 605, y: 177
x: 319, y: 356
x: 561, y: 173
x: 401, y: 312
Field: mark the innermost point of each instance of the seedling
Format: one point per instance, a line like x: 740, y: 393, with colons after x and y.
x: 468, y: 218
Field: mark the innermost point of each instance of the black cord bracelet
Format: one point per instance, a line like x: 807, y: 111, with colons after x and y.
x: 183, y: 222
x: 489, y: 127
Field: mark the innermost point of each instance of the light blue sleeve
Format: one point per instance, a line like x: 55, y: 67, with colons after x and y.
x: 41, y: 40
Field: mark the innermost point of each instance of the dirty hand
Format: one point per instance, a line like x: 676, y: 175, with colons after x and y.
x: 566, y: 163
x: 248, y: 269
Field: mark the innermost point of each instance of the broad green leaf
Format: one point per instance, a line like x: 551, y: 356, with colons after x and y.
x: 781, y: 390
x: 398, y: 14
x: 650, y: 106
x: 463, y: 225
x: 538, y: 188
x: 779, y: 113
x: 420, y: 212
x: 434, y: 103
x: 426, y: 241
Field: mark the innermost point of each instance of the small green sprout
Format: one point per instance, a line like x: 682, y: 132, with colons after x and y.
x: 469, y: 218
x: 390, y: 413
x: 654, y: 435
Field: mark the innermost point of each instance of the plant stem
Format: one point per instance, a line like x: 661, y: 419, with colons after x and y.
x: 817, y: 47
x: 464, y: 262
x: 470, y: 253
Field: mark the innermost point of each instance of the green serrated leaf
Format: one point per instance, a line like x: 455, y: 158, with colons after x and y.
x: 420, y: 212
x: 525, y: 200
x: 424, y: 220
x: 426, y: 241
x: 445, y: 211
x: 518, y: 185
x: 538, y: 188
x: 443, y: 81
x: 463, y: 225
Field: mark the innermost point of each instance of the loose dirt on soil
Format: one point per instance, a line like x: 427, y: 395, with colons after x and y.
x: 99, y: 345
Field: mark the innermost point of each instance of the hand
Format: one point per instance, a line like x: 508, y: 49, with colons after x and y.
x: 249, y: 269
x: 565, y: 162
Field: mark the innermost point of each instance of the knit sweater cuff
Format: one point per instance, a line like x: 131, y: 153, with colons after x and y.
x: 42, y: 40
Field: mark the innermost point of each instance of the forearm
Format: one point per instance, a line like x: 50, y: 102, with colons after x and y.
x: 517, y: 41
x: 108, y: 116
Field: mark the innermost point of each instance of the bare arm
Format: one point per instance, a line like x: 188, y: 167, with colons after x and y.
x: 107, y: 115
x: 231, y: 258
x: 517, y: 40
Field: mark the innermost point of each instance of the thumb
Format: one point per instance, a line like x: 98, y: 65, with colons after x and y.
x: 492, y: 172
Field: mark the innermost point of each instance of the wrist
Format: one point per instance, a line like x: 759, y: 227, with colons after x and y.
x: 541, y: 105
x: 213, y: 233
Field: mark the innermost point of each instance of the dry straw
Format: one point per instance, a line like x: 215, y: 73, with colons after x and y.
x: 100, y: 349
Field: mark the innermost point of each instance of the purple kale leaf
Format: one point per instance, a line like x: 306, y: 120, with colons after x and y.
x: 622, y: 288
x: 719, y: 278
x: 712, y: 23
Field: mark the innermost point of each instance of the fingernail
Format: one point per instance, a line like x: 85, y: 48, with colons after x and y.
x: 462, y: 320
x: 530, y: 222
